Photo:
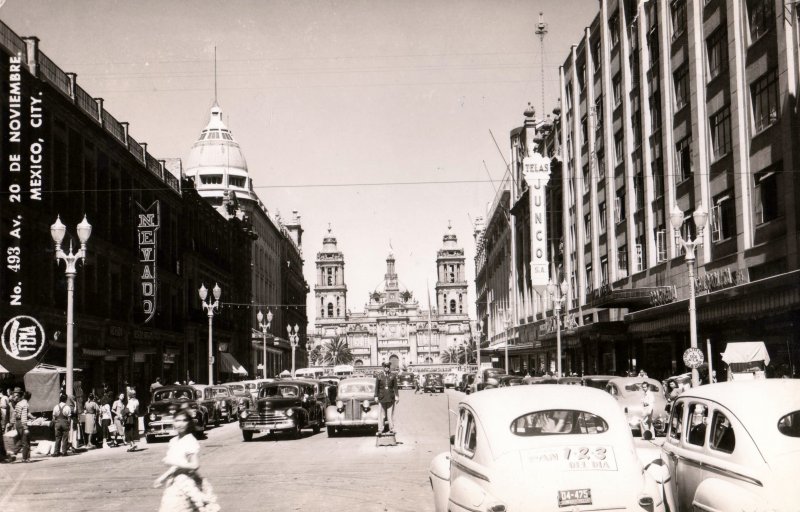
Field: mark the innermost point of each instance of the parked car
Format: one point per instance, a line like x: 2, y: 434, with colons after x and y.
x: 571, y: 381
x: 433, y: 383
x: 494, y: 380
x: 734, y: 446
x: 466, y: 381
x: 597, y: 381
x: 285, y: 405
x: 405, y: 380
x: 165, y: 402
x: 206, y: 398
x: 252, y: 386
x: 628, y: 392
x: 546, y: 448
x: 449, y: 380
x: 355, y: 407
x: 509, y: 380
x: 227, y: 405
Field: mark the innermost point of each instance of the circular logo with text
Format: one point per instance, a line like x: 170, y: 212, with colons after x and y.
x: 23, y: 338
x: 693, y: 357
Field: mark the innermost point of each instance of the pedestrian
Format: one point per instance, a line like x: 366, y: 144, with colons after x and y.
x: 155, y: 385
x: 5, y: 410
x: 117, y: 411
x: 61, y: 415
x: 387, y: 393
x: 648, y: 400
x: 21, y: 423
x: 105, y: 421
x: 132, y: 422
x: 91, y: 411
x: 186, y: 490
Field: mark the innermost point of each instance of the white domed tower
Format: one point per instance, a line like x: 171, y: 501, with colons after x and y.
x: 451, y: 284
x: 330, y: 291
x: 216, y: 163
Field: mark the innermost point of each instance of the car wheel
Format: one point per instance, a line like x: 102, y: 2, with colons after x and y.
x: 217, y: 421
x: 150, y: 439
x: 331, y: 431
x: 297, y: 431
x: 317, y: 427
x: 247, y: 435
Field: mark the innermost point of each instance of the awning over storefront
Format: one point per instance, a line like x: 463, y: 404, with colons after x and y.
x: 745, y: 352
x: 229, y: 364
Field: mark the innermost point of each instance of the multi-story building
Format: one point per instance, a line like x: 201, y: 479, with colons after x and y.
x: 393, y: 326
x: 669, y: 108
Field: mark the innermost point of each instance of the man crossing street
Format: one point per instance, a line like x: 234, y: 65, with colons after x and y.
x: 388, y: 395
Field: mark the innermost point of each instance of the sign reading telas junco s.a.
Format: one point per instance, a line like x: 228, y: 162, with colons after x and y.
x: 536, y: 171
x: 23, y: 340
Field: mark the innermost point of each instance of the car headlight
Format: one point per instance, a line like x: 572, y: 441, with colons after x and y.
x: 339, y: 404
x: 290, y: 413
x: 243, y: 415
x: 365, y: 405
x: 152, y: 417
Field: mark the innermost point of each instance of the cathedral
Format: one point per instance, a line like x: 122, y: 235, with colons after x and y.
x: 393, y: 326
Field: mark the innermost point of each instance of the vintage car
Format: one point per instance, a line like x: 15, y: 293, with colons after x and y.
x: 449, y: 380
x: 734, y: 446
x: 466, y: 382
x: 252, y: 386
x: 597, y: 381
x: 494, y: 380
x: 543, y: 448
x: 165, y: 401
x: 207, y: 399
x: 227, y: 405
x: 285, y: 405
x: 570, y: 381
x: 509, y: 380
x: 434, y: 383
x: 405, y: 380
x: 628, y: 392
x: 355, y: 406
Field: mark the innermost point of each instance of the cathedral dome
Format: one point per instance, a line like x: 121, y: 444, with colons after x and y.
x: 329, y: 242
x: 216, y: 163
x: 450, y: 239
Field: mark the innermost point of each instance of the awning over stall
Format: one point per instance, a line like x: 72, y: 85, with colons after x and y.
x: 229, y: 364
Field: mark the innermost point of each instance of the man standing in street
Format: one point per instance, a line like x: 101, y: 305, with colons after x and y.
x: 387, y: 394
x: 155, y: 385
x: 21, y: 423
x: 61, y: 415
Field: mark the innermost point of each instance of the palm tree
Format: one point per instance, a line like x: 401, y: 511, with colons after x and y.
x: 452, y: 355
x: 335, y: 351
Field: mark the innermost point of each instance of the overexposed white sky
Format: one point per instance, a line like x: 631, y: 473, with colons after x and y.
x: 373, y: 116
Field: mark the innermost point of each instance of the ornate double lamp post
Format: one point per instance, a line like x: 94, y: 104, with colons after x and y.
x: 264, y: 330
x: 294, y: 337
x: 558, y: 294
x: 210, y: 307
x: 700, y: 217
x: 57, y: 231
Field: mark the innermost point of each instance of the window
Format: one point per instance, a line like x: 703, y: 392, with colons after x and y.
x: 681, y: 78
x: 764, y: 92
x: 720, y: 123
x: 604, y: 271
x: 598, y: 112
x: 619, y: 206
x: 452, y: 306
x: 722, y: 437
x: 696, y: 428
x: 765, y: 195
x: 584, y: 130
x: 639, y: 257
x: 652, y: 45
x: 581, y: 76
x: 466, y: 439
x: 683, y: 159
x: 330, y: 309
x: 586, y: 179
x: 622, y: 260
x: 636, y: 121
x: 236, y: 181
x: 616, y: 84
x: 717, y: 50
x: 657, y: 168
x: 596, y: 56
x: 676, y: 422
x: 618, y: 148
x: 587, y: 226
x: 789, y: 425
x: 601, y: 164
x: 568, y: 94
x: 589, y: 279
x: 678, y: 18
x: 723, y: 218
x: 661, y: 245
x: 561, y: 421
x: 601, y: 217
x: 655, y: 113
x: 761, y: 17
x: 211, y: 179
x: 613, y: 29
x: 638, y: 189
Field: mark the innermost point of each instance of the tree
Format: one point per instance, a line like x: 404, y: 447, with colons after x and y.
x: 335, y: 351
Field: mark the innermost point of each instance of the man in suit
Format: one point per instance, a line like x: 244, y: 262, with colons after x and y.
x: 387, y: 393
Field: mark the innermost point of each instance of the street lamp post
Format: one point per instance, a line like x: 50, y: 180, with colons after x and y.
x: 700, y: 217
x: 57, y: 231
x: 294, y: 337
x: 478, y: 345
x: 507, y: 321
x: 558, y: 294
x: 264, y: 329
x: 210, y: 307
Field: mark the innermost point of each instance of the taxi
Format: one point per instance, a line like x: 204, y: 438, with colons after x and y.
x: 628, y: 392
x: 734, y: 446
x: 355, y: 408
x: 548, y: 448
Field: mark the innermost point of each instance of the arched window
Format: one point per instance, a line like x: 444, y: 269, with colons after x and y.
x: 330, y: 309
x: 452, y: 305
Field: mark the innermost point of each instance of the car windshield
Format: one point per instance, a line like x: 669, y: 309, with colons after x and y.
x: 356, y: 388
x: 172, y: 394
x: 221, y: 392
x: 789, y: 425
x: 558, y: 421
x: 636, y: 387
x: 284, y: 391
x: 236, y: 388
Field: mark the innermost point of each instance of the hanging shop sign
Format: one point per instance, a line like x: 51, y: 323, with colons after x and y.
x: 149, y: 219
x: 536, y: 171
x: 22, y: 339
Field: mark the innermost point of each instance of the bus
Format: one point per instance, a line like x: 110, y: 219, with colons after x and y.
x: 309, y: 373
x: 343, y: 370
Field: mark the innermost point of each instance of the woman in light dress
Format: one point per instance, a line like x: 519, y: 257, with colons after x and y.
x: 186, y: 490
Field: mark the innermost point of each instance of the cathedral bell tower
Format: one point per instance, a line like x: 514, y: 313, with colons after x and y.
x: 330, y: 292
x: 451, y: 284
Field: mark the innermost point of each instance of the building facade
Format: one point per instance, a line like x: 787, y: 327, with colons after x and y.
x: 665, y: 104
x: 393, y: 327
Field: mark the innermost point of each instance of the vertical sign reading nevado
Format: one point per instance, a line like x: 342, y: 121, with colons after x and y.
x: 22, y: 182
x: 149, y: 219
x: 536, y: 170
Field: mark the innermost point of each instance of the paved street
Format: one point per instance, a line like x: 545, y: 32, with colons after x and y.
x: 314, y: 473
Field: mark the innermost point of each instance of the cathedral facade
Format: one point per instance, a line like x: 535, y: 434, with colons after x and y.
x: 393, y: 326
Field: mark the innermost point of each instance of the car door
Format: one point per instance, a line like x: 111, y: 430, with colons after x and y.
x: 686, y: 454
x: 468, y: 477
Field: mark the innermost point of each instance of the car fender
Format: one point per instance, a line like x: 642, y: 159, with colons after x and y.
x: 440, y: 481
x: 467, y: 493
x: 714, y: 494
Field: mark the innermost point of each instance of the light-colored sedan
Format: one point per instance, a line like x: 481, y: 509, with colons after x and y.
x: 630, y: 396
x: 544, y: 448
x: 735, y: 446
x: 355, y: 407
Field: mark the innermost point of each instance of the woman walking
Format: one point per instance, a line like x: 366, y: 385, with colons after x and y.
x: 90, y: 410
x: 132, y: 422
x: 186, y: 490
x: 117, y: 411
x: 105, y: 421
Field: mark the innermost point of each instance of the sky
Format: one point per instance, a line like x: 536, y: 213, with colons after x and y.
x: 378, y: 118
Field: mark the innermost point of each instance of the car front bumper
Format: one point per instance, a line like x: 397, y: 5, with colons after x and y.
x: 263, y: 425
